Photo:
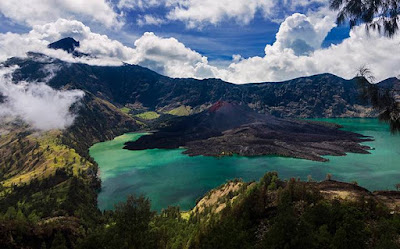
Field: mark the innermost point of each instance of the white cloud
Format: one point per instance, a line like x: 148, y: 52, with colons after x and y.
x: 36, y: 103
x: 170, y: 56
x: 197, y: 12
x: 236, y: 58
x: 299, y: 33
x: 283, y: 60
x: 150, y: 20
x: 138, y: 4
x: 105, y: 50
x: 164, y: 55
x: 32, y: 12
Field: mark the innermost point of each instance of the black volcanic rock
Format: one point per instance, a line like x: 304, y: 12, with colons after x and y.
x: 227, y: 129
x: 67, y: 44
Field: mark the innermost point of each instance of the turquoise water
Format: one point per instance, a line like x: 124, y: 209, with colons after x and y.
x: 168, y: 177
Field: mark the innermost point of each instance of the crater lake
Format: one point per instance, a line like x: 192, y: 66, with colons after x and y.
x: 170, y: 178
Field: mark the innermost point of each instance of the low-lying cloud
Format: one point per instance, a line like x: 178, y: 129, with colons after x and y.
x: 36, y: 103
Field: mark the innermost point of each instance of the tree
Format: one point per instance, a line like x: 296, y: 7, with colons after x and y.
x: 383, y: 100
x: 58, y: 241
x: 133, y: 223
x: 381, y: 15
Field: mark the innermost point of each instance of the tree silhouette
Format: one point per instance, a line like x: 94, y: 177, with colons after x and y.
x: 381, y: 15
x: 382, y: 99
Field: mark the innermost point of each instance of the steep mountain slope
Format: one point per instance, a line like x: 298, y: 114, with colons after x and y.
x: 323, y: 95
x: 50, y: 178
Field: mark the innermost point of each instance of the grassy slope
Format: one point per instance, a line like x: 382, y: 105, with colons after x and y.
x: 125, y: 110
x: 148, y: 115
x: 27, y: 155
x: 51, y: 175
x: 181, y: 111
x: 43, y: 154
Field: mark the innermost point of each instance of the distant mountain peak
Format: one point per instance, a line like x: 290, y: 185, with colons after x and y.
x: 67, y: 44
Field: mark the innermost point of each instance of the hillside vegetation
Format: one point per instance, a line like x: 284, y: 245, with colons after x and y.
x: 49, y: 183
x: 270, y: 213
x: 148, y: 115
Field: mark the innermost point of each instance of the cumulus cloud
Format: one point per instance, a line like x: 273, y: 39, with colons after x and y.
x: 282, y: 60
x: 296, y: 52
x: 171, y: 57
x: 104, y: 50
x: 36, y: 104
x: 164, y: 55
x: 33, y: 12
x: 300, y: 34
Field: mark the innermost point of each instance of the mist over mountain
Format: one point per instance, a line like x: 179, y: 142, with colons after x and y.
x: 36, y: 103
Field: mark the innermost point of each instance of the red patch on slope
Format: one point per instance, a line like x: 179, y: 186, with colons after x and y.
x: 218, y: 105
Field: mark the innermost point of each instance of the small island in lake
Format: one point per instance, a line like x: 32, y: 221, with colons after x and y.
x: 227, y: 129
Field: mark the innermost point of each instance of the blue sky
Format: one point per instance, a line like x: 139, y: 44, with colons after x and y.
x: 240, y: 41
x: 219, y: 42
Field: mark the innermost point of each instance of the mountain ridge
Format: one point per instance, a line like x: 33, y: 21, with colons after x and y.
x: 136, y: 86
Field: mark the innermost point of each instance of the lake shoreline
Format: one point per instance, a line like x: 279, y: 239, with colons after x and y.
x: 168, y: 177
